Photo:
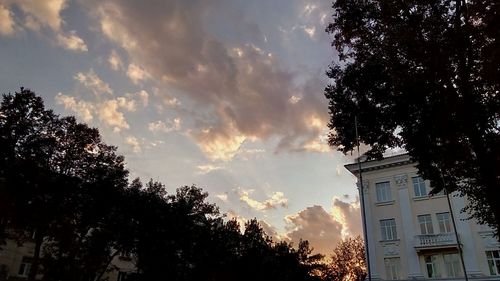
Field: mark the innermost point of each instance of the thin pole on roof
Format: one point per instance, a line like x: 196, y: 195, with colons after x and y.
x: 361, y: 189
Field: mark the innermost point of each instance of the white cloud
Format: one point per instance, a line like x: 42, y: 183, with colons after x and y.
x: 222, y: 197
x: 156, y: 143
x: 82, y: 108
x: 46, y: 13
x: 308, y: 9
x: 115, y: 61
x: 317, y: 145
x: 294, y: 99
x: 72, y: 42
x: 171, y: 101
x: 108, y: 112
x: 137, y: 73
x: 134, y: 143
x: 309, y: 30
x: 247, y: 154
x: 6, y: 21
x: 127, y: 104
x: 144, y: 97
x: 277, y: 199
x: 93, y: 82
x: 217, y: 145
x: 41, y: 15
x: 207, y: 168
x: 162, y: 127
x: 349, y: 215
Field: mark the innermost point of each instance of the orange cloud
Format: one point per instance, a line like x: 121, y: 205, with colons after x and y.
x: 317, y: 226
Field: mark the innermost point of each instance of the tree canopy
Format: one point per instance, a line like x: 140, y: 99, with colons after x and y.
x: 423, y: 75
x: 348, y: 260
x: 65, y: 190
x: 57, y: 177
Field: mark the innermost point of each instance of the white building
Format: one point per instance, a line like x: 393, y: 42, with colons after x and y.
x: 15, y: 263
x: 411, y: 235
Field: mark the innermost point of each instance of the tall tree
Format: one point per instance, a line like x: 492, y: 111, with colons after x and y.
x: 348, y: 261
x: 59, y: 177
x: 423, y: 75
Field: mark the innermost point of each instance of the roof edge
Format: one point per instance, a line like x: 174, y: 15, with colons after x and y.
x: 391, y: 161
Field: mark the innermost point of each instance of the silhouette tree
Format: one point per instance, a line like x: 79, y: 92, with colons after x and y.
x: 58, y: 178
x: 60, y: 184
x: 422, y: 75
x: 348, y: 261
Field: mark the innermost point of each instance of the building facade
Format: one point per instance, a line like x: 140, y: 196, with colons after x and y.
x: 15, y: 263
x: 412, y: 236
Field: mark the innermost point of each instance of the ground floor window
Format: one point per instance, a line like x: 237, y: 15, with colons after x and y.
x: 25, y: 267
x: 393, y: 268
x: 493, y: 262
x: 122, y: 276
x: 432, y: 266
x: 452, y: 264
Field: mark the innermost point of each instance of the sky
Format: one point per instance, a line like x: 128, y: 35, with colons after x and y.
x: 223, y: 94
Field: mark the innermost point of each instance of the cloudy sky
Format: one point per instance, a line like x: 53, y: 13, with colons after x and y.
x: 224, y: 94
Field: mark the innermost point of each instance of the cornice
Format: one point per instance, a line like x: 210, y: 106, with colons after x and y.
x: 371, y: 165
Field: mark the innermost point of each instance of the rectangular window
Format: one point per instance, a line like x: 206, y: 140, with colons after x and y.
x: 432, y: 267
x: 388, y: 228
x: 493, y: 262
x: 392, y: 268
x: 383, y: 190
x: 452, y: 264
x: 444, y: 221
x: 419, y: 187
x: 25, y: 267
x: 122, y: 276
x: 425, y: 222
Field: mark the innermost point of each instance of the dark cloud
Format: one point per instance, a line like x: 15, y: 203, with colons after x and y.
x: 244, y: 90
x: 317, y: 226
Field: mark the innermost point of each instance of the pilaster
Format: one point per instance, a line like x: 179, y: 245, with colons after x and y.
x: 369, y: 228
x: 408, y: 227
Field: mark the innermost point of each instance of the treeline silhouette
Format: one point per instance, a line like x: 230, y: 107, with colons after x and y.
x: 63, y: 189
x: 67, y: 192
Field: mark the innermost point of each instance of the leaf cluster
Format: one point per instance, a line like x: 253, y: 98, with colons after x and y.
x: 422, y: 75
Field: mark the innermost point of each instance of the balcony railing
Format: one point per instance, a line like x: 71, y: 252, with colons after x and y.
x: 433, y: 241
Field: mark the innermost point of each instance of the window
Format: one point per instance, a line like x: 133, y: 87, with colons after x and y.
x: 383, y: 191
x: 122, y: 276
x: 25, y: 267
x: 432, y: 266
x: 392, y: 268
x: 419, y: 187
x: 452, y: 264
x: 425, y: 222
x: 493, y: 262
x: 444, y: 221
x: 388, y: 228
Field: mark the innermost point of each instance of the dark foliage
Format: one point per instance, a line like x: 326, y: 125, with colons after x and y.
x: 423, y: 75
x: 65, y: 190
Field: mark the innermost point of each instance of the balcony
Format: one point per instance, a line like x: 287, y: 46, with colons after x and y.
x: 435, y: 241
